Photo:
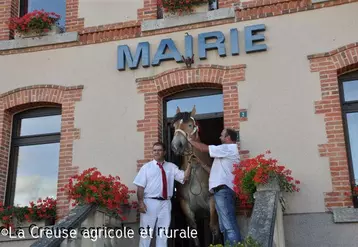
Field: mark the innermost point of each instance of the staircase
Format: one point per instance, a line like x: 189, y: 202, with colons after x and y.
x: 85, y: 226
x: 88, y: 226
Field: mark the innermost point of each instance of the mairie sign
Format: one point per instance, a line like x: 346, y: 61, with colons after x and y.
x: 167, y: 49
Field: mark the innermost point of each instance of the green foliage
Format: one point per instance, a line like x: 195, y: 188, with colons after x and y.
x: 248, y: 242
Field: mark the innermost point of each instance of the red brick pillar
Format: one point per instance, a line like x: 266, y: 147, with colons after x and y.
x: 8, y: 9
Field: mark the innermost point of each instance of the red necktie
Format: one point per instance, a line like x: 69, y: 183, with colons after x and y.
x: 164, y: 181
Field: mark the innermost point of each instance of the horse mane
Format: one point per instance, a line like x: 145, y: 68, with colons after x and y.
x: 182, y: 115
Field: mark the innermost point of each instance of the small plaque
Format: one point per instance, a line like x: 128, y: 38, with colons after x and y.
x: 243, y: 114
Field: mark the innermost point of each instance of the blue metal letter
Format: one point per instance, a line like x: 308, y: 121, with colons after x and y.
x: 219, y: 44
x: 124, y: 55
x: 161, y: 56
x: 188, y: 46
x: 250, y: 38
x: 234, y: 41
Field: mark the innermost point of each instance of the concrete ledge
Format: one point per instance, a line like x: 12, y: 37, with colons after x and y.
x: 345, y: 215
x: 320, y: 1
x: 39, y: 41
x: 218, y: 14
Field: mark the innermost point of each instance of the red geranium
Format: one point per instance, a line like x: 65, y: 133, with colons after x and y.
x: 37, y: 21
x: 259, y: 170
x: 93, y: 187
x: 41, y: 210
x: 355, y: 190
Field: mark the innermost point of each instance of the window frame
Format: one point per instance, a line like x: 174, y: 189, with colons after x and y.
x: 20, y: 141
x: 23, y: 7
x: 348, y: 107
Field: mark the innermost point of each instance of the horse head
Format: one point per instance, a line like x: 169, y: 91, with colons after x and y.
x: 185, y: 127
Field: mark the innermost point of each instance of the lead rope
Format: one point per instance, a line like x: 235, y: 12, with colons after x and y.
x: 193, y: 169
x: 191, y: 154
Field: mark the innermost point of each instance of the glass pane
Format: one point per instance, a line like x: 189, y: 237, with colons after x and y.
x: 213, y: 5
x: 40, y: 125
x: 203, y: 104
x: 352, y: 120
x: 37, y: 172
x: 57, y: 6
x: 350, y: 89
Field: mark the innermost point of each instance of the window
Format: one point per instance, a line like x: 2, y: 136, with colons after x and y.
x: 208, y: 101
x: 57, y: 6
x: 349, y: 98
x: 213, y: 5
x: 34, y: 156
x: 209, y: 105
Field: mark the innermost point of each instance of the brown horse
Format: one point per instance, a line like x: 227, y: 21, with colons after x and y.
x: 194, y: 195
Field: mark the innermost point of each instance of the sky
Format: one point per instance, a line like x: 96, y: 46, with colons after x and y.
x: 37, y: 169
x: 352, y: 119
x: 350, y: 89
x: 203, y: 104
x: 37, y: 173
x: 57, y: 6
x: 40, y: 125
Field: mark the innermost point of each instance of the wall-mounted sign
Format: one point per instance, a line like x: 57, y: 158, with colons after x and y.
x: 167, y: 49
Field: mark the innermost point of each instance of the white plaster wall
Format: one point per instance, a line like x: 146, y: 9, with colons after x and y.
x: 279, y: 93
x: 102, y: 12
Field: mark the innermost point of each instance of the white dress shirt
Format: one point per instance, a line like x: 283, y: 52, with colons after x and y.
x: 225, y: 156
x: 150, y: 177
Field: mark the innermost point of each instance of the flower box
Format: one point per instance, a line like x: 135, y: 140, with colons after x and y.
x: 43, y: 212
x: 261, y: 174
x: 37, y: 223
x: 35, y: 24
x: 176, y: 8
x: 202, y: 8
x: 32, y: 34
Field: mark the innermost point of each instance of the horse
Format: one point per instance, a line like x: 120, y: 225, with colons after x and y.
x: 194, y: 195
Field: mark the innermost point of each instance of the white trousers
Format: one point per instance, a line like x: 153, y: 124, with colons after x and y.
x: 154, y: 222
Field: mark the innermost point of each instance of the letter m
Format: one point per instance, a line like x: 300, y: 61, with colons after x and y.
x: 125, y: 56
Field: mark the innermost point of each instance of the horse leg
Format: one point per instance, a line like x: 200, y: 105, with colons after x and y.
x: 214, y: 222
x: 190, y: 217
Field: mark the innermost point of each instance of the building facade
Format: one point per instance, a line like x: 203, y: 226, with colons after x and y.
x: 282, y: 73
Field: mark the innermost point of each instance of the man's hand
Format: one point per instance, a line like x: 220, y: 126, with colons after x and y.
x: 142, y: 207
x: 198, y: 145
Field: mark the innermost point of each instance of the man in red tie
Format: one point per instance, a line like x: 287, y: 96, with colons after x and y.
x: 155, y: 183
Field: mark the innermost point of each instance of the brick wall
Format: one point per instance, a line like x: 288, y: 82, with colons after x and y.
x: 35, y: 96
x: 8, y: 8
x: 329, y: 66
x: 249, y: 10
x: 73, y: 23
x: 226, y: 3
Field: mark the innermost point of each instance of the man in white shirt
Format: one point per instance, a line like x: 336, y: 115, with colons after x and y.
x: 221, y: 182
x: 155, y: 183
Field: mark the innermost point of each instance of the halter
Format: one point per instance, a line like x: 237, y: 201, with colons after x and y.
x: 190, y: 153
x: 195, y: 129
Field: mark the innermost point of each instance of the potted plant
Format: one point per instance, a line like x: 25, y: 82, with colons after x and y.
x: 43, y: 213
x: 105, y: 191
x: 183, y: 7
x: 260, y: 171
x: 35, y: 23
